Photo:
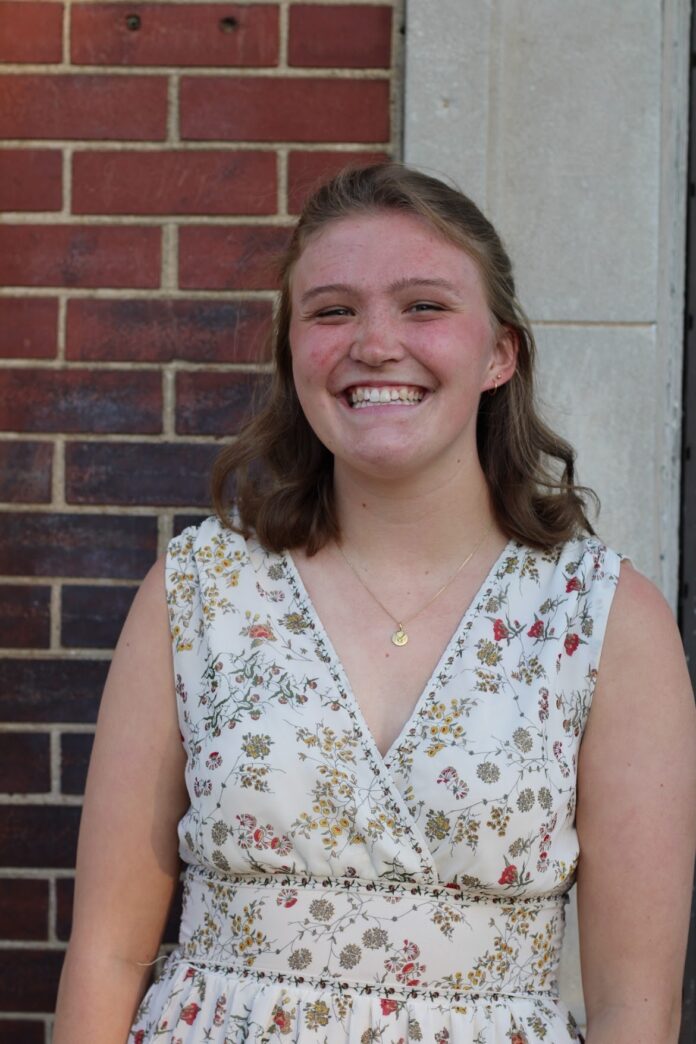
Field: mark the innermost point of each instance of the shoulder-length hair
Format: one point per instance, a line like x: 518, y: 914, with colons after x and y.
x: 282, y: 474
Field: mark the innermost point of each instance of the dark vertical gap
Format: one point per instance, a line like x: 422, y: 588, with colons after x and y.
x: 687, y: 537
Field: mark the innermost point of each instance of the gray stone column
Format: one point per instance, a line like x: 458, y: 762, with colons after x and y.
x: 566, y: 122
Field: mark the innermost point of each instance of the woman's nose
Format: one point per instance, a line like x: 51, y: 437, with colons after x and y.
x: 376, y: 341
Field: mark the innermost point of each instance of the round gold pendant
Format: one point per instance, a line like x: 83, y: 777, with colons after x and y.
x: 399, y: 636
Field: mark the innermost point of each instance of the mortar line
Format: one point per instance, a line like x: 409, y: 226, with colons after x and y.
x: 55, y: 617
x: 61, y: 331
x: 55, y: 762
x: 283, y: 32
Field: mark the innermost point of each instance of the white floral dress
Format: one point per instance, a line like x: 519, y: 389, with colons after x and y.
x: 335, y: 895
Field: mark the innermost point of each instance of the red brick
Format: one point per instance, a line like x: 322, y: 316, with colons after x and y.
x: 93, y: 615
x: 31, y: 32
x: 24, y: 763
x: 30, y: 179
x: 75, y: 750
x: 174, y: 34
x: 29, y: 982
x: 213, y: 403
x: 24, y: 618
x: 340, y: 36
x: 23, y: 909
x: 28, y: 327
x: 161, y: 474
x: 26, y: 1031
x: 52, y: 690
x: 162, y: 330
x: 174, y: 182
x: 80, y: 401
x: 25, y: 472
x: 98, y: 106
x: 37, y: 544
x: 80, y: 255
x: 38, y: 836
x: 233, y: 258
x: 306, y: 171
x: 278, y: 109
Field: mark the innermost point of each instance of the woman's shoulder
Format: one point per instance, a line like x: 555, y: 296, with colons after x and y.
x: 210, y: 538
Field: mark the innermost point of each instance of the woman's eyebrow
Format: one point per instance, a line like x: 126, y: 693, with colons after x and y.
x: 413, y: 281
x: 327, y: 288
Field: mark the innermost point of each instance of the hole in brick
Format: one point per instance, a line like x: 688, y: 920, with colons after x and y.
x: 133, y: 22
x: 228, y: 24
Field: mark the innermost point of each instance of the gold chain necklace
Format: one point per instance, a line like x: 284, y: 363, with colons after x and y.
x: 399, y: 636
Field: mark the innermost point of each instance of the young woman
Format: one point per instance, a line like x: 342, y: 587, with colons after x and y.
x: 386, y: 746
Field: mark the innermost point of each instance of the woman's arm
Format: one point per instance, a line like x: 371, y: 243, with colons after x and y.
x: 636, y: 824
x: 127, y: 861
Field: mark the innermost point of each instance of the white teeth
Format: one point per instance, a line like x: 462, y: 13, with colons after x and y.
x: 360, y: 397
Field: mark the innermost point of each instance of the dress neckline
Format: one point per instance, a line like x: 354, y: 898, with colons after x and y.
x: 437, y: 676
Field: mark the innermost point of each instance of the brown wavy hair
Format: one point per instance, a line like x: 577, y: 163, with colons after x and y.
x: 282, y: 475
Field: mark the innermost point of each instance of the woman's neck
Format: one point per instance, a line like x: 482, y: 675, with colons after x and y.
x: 436, y: 522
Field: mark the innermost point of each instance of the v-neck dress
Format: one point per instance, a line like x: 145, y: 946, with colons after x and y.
x: 332, y: 894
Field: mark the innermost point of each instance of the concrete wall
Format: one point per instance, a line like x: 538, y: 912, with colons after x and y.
x: 566, y: 122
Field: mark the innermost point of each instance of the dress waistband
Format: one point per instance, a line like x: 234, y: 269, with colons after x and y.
x: 382, y: 937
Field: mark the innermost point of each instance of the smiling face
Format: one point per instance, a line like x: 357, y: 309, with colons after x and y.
x: 392, y: 343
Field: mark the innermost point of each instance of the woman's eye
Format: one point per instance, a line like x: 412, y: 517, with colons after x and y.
x: 332, y: 313
x: 426, y: 306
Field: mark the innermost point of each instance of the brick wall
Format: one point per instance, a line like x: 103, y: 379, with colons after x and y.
x: 152, y: 157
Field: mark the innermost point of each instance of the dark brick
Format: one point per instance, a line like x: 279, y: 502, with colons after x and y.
x: 38, y: 836
x: 29, y: 981
x: 30, y: 179
x: 43, y: 400
x: 162, y: 330
x: 213, y: 403
x: 175, y: 34
x: 233, y: 258
x: 31, y: 31
x: 175, y: 182
x: 25, y: 617
x: 65, y: 895
x: 25, y: 472
x: 33, y: 544
x: 271, y: 108
x: 49, y: 691
x: 80, y: 255
x: 351, y: 36
x: 28, y: 327
x: 167, y: 474
x: 22, y: 1031
x: 306, y: 171
x: 93, y: 615
x: 97, y: 107
x: 23, y: 909
x: 75, y: 750
x: 24, y: 763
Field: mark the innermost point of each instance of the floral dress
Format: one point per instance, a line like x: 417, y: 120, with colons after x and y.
x: 335, y: 895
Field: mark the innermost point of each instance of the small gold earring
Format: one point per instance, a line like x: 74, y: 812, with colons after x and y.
x: 495, y: 383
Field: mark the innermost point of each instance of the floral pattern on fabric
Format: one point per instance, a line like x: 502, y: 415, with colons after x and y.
x: 474, y: 803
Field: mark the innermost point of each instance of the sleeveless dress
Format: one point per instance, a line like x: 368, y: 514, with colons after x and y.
x: 334, y: 895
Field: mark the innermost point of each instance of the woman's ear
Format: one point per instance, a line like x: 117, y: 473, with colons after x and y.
x: 504, y: 358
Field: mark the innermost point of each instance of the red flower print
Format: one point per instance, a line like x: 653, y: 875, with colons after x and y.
x: 509, y: 875
x: 190, y: 972
x: 261, y: 631
x: 500, y: 631
x: 571, y: 643
x: 139, y: 1037
x: 518, y: 1038
x: 282, y: 1020
x: 536, y: 630
x: 573, y: 585
x: 388, y: 1006
x: 189, y: 1013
